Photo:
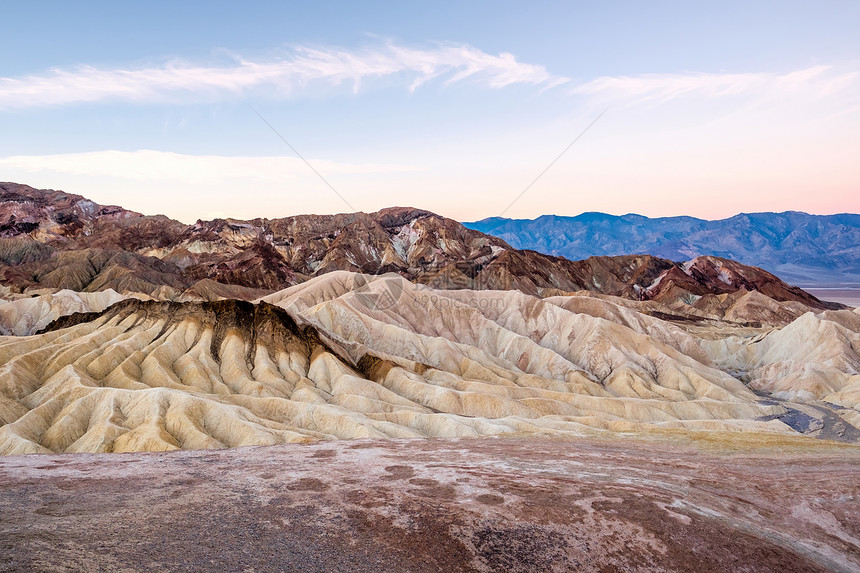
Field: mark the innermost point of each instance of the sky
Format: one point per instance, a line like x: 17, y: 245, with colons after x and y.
x: 469, y: 109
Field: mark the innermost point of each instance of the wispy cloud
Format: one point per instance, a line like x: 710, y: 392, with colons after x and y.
x: 300, y: 67
x: 817, y: 80
x: 146, y: 165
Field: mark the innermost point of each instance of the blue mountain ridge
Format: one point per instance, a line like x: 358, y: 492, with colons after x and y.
x: 809, y: 250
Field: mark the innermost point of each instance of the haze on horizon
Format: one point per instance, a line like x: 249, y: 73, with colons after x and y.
x: 710, y: 110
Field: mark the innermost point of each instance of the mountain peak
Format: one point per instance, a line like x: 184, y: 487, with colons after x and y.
x: 51, y: 215
x: 399, y: 216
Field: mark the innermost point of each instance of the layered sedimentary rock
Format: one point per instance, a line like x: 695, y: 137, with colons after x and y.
x: 50, y: 239
x: 347, y: 355
x: 24, y: 315
x: 149, y: 345
x: 814, y: 357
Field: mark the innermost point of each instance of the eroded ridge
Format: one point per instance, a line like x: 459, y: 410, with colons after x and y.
x: 352, y: 356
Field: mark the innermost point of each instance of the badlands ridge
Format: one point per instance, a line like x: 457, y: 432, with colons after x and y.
x: 347, y: 355
x: 121, y: 332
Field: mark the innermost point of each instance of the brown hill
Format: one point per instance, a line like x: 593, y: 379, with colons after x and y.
x: 50, y: 239
x: 50, y: 215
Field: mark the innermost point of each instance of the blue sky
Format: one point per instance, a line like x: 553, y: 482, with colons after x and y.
x: 710, y: 108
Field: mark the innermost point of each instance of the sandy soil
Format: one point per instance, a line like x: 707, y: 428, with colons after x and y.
x: 490, y: 504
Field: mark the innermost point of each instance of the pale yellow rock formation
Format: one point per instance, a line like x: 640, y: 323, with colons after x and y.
x: 814, y: 357
x: 354, y: 356
x: 24, y: 316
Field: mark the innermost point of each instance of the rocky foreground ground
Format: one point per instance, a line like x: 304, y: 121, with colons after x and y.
x: 769, y: 503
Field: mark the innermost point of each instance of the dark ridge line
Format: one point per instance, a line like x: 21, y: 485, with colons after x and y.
x: 249, y: 319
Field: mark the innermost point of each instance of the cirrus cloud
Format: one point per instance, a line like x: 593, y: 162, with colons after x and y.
x: 179, y: 79
x: 817, y: 81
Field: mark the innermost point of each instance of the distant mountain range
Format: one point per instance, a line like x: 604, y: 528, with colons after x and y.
x: 809, y: 250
